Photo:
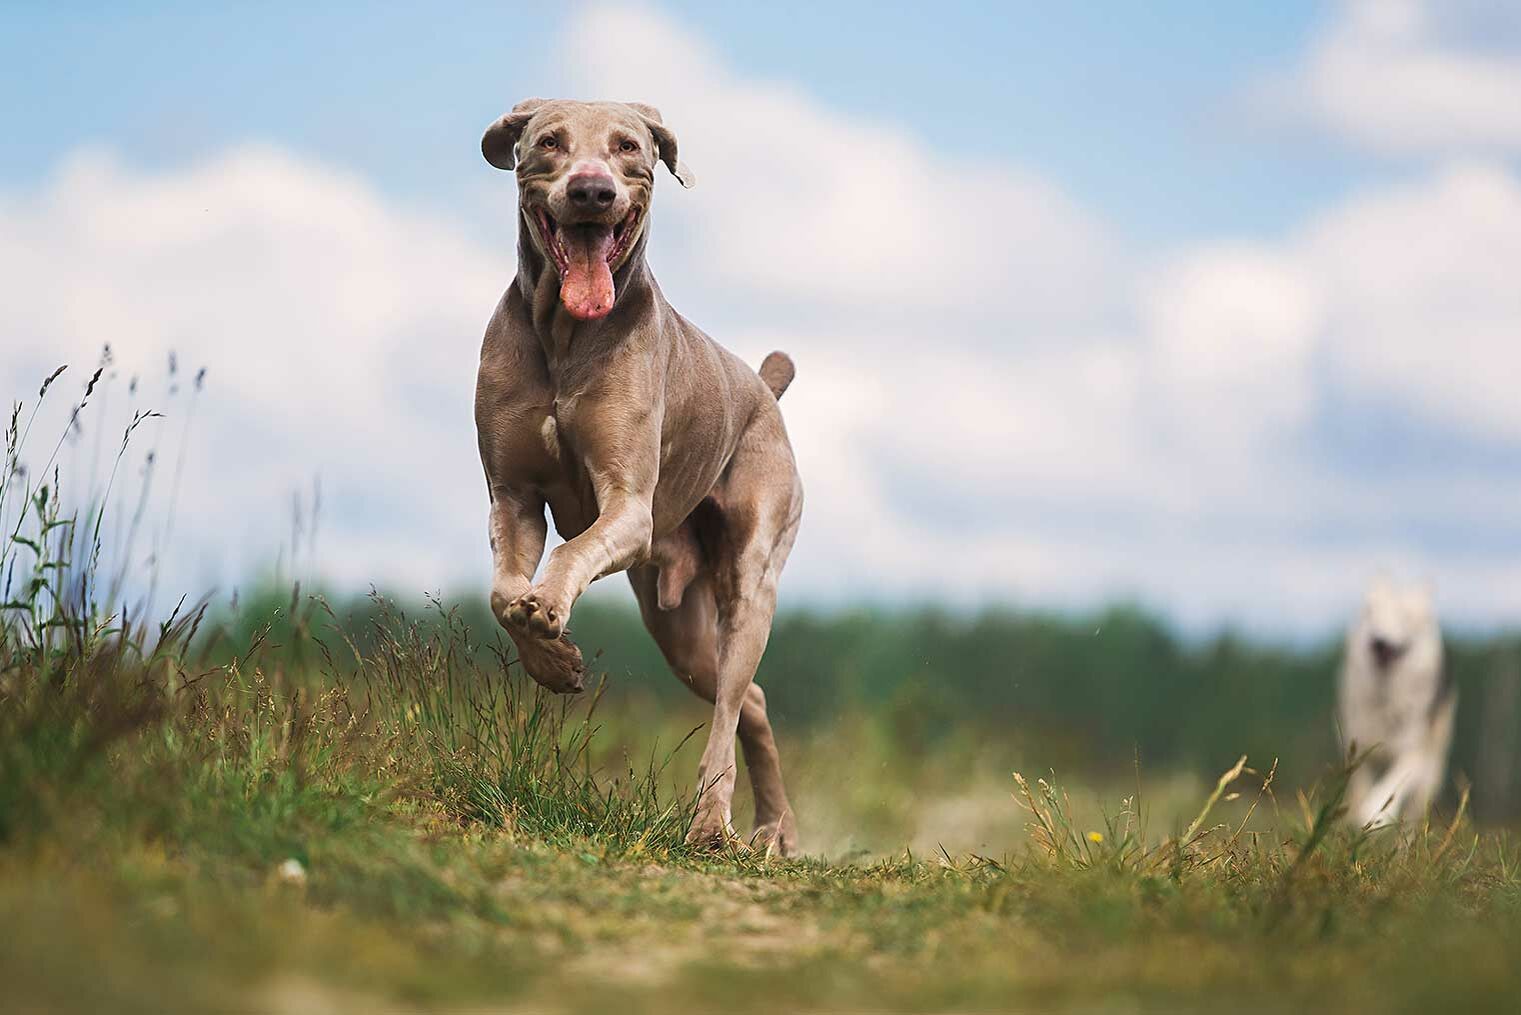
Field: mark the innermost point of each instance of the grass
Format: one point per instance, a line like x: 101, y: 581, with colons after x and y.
x: 406, y: 904
x: 396, y: 819
x: 459, y: 847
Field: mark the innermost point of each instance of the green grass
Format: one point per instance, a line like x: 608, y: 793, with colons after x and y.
x: 460, y: 840
x: 465, y: 841
x: 412, y: 909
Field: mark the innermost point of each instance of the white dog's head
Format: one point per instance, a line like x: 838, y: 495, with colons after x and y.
x: 1397, y: 626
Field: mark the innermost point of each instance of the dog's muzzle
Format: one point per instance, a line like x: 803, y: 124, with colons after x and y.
x: 1385, y: 652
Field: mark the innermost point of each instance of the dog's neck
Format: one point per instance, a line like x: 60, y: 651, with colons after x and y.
x: 538, y: 283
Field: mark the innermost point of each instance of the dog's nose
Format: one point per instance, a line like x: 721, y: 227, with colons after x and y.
x: 591, y: 190
x: 1384, y: 650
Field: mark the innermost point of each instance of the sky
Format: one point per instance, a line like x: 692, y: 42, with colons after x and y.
x: 1214, y: 307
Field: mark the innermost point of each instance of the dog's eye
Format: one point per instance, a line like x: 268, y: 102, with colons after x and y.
x: 628, y: 146
x: 548, y: 142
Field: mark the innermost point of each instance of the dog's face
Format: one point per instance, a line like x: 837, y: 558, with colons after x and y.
x: 1398, y: 624
x: 586, y: 175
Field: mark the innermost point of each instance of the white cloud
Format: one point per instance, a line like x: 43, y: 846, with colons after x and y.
x: 1411, y: 76
x: 991, y: 400
x: 338, y: 333
x: 1151, y: 432
x: 799, y: 201
x: 1232, y: 330
x: 1424, y: 302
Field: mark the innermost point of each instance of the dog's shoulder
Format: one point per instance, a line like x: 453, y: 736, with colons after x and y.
x: 512, y: 365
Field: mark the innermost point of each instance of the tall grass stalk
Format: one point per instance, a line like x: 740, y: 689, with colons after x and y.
x: 503, y: 750
x: 89, y: 687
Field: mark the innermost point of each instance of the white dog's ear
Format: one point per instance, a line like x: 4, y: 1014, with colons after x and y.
x: 500, y: 142
x: 665, y: 143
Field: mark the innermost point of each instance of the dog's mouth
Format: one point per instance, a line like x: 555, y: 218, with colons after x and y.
x: 585, y: 255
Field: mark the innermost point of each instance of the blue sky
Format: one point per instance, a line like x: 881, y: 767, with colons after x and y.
x: 1133, y: 104
x: 1241, y: 336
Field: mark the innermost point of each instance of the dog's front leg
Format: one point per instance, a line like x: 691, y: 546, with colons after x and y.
x: 619, y: 441
x: 518, y: 531
x: 619, y: 538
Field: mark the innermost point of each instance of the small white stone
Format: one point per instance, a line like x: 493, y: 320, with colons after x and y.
x: 291, y: 872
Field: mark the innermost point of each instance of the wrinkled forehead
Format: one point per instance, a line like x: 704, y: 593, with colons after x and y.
x: 586, y: 118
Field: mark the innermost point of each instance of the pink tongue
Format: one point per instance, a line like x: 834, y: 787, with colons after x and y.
x: 587, y: 288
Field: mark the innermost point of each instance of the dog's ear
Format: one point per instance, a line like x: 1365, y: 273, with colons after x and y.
x: 665, y: 142
x: 500, y: 142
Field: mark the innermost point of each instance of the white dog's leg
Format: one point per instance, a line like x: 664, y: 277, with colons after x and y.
x: 1377, y: 809
x: 1424, y: 784
x: 1404, y: 792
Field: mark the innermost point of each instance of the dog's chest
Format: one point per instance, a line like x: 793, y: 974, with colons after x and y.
x: 567, y: 487
x: 549, y: 437
x: 527, y: 440
x: 557, y: 430
x: 1393, y: 702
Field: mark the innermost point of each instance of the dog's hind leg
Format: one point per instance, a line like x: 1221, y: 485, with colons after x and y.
x: 1429, y: 760
x: 688, y: 638
x: 758, y: 503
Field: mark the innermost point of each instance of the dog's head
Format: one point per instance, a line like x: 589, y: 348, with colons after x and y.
x: 586, y: 174
x: 1397, y: 622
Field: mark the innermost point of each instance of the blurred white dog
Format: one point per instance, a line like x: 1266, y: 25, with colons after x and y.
x: 1396, y: 702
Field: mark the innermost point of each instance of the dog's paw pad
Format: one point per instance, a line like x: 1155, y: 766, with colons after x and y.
x: 529, y: 614
x: 544, y: 622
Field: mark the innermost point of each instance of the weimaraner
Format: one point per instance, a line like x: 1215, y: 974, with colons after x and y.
x: 657, y: 450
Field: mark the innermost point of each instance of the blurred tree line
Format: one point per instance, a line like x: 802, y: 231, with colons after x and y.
x: 1083, y: 693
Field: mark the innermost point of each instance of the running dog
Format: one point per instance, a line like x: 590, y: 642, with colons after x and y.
x: 1397, y: 704
x: 657, y: 451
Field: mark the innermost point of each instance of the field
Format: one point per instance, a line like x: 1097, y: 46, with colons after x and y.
x: 462, y: 841
x: 292, y: 806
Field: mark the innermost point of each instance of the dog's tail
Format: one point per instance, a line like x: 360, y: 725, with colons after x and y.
x: 777, y: 371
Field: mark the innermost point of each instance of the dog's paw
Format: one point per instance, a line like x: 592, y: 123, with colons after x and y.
x: 710, y: 831
x: 501, y: 603
x: 554, y: 663
x: 777, y: 837
x: 531, y: 615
